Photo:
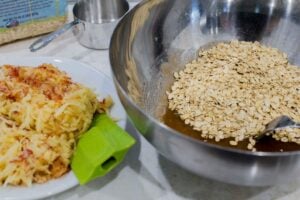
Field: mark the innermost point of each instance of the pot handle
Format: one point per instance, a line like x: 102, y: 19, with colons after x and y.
x: 44, y: 41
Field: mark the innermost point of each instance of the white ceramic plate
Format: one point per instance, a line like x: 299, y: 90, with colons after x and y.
x: 81, y: 73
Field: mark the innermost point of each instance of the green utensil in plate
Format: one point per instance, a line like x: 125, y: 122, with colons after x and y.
x: 100, y: 149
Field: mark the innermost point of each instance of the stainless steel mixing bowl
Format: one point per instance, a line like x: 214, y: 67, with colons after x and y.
x: 159, y: 36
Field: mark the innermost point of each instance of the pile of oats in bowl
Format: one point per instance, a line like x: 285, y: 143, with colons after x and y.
x: 234, y: 89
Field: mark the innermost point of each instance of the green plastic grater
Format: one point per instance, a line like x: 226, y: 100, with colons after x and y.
x: 100, y: 149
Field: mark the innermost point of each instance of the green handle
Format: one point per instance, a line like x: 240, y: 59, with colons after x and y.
x: 100, y: 149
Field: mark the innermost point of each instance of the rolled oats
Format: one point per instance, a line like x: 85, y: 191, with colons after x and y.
x: 234, y: 89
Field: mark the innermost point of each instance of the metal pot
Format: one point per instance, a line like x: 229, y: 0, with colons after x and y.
x: 93, y: 25
x: 158, y: 37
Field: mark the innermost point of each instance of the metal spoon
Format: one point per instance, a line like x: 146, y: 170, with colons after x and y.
x: 93, y: 25
x: 279, y: 123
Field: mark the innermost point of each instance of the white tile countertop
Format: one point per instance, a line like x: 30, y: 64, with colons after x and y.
x: 144, y: 174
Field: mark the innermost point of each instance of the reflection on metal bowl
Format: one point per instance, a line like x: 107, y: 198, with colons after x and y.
x: 158, y: 37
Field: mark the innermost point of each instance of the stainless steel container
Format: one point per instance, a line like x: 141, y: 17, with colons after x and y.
x: 93, y: 25
x: 159, y: 36
x: 97, y: 18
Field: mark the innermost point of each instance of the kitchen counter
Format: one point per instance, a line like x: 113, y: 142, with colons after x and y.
x: 144, y: 174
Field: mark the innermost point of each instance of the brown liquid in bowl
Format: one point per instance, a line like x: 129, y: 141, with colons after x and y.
x: 267, y: 144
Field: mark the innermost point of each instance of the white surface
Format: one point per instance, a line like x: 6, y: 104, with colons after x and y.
x: 81, y: 73
x: 144, y: 175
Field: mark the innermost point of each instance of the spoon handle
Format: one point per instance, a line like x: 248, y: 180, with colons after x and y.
x: 44, y: 41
